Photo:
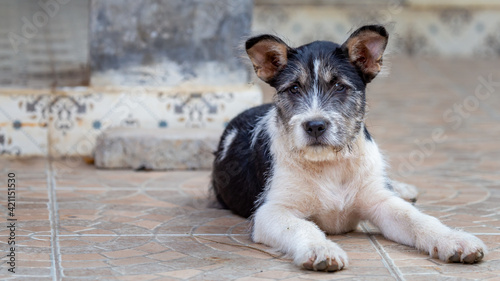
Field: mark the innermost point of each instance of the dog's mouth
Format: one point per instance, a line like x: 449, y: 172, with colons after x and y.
x: 317, y: 143
x: 322, y: 145
x: 318, y: 151
x: 325, y: 142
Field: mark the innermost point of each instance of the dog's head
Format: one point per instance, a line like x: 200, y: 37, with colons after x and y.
x: 320, y: 87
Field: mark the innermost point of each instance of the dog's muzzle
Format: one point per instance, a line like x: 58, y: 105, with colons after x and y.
x: 315, y: 128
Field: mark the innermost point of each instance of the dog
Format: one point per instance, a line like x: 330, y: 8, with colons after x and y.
x: 306, y: 165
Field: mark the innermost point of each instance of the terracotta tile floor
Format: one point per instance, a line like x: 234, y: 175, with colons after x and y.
x: 78, y: 223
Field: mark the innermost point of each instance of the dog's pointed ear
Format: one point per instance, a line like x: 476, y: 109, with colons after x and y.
x: 365, y: 48
x: 268, y: 54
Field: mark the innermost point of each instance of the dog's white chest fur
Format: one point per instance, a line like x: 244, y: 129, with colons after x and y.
x: 305, y: 201
x: 327, y: 192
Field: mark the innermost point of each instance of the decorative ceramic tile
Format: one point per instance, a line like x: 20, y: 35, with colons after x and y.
x: 23, y: 123
x: 71, y: 118
x: 78, y: 117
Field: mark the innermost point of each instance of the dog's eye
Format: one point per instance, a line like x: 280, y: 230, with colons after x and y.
x: 294, y: 89
x: 339, y: 88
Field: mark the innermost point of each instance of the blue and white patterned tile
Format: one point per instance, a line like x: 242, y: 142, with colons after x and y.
x: 78, y: 117
x: 210, y: 109
x: 23, y: 123
x: 71, y: 117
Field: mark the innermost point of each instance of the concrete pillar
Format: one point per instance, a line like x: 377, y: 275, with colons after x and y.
x: 168, y: 42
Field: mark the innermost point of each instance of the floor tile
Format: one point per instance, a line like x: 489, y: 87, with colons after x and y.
x: 84, y: 223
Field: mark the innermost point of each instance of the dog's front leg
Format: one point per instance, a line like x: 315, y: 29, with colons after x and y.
x: 278, y: 227
x: 399, y: 221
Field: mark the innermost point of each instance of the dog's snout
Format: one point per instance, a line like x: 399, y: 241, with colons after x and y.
x: 315, y: 128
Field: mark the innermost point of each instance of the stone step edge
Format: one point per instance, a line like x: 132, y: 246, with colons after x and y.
x: 118, y: 89
x: 156, y: 149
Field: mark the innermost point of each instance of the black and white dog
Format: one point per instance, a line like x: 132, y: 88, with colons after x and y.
x: 306, y: 164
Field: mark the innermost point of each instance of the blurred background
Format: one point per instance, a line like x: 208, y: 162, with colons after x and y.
x: 151, y: 84
x: 70, y: 69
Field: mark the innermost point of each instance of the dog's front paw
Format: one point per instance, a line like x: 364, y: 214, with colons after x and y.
x: 324, y: 256
x: 459, y: 246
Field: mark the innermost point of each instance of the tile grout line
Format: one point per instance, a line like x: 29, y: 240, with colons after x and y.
x: 133, y: 235
x: 54, y: 224
x: 448, y: 83
x: 387, y: 261
x: 169, y: 235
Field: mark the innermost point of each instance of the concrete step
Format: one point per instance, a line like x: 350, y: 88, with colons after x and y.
x: 156, y: 149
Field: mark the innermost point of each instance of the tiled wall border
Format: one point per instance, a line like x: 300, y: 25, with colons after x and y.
x: 432, y: 30
x: 66, y: 122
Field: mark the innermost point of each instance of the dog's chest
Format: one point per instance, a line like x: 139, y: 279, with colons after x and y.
x: 318, y: 191
x: 334, y: 190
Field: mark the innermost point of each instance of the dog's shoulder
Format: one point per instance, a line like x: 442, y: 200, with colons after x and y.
x: 243, y: 161
x: 250, y: 117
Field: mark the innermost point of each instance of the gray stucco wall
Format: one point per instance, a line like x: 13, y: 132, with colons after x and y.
x: 175, y: 41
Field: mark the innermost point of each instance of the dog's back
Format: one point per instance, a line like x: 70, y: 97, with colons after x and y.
x: 242, y: 162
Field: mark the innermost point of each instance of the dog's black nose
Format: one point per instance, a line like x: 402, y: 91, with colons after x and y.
x: 315, y: 128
